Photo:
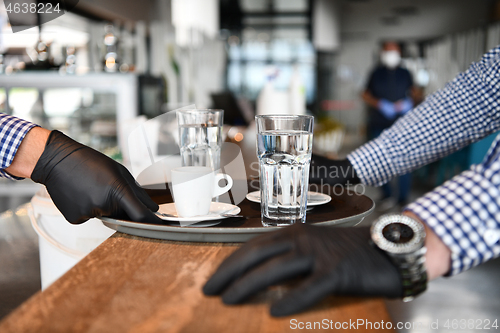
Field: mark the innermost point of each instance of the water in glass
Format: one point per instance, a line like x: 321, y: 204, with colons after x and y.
x: 284, y: 158
x: 200, y: 145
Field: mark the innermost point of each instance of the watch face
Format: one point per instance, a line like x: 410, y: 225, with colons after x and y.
x: 398, y: 234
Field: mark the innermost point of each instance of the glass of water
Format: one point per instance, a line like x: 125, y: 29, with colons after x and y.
x: 284, y: 147
x: 200, y: 137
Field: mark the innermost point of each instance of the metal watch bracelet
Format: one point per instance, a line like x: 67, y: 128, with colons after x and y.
x: 413, y: 273
x: 406, y: 250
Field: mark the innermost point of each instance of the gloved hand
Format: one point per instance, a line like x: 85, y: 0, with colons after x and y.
x: 338, y: 261
x: 387, y: 108
x: 327, y: 171
x: 84, y: 183
x: 404, y: 105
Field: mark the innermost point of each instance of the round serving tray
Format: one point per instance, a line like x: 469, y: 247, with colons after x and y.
x: 345, y: 210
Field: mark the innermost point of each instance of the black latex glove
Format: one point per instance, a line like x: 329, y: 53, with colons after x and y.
x: 83, y: 183
x: 338, y: 261
x: 327, y: 171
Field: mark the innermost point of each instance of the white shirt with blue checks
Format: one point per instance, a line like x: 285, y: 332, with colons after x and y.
x: 465, y: 211
x: 12, y: 132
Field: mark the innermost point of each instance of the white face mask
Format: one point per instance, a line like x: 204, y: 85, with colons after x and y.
x: 391, y: 59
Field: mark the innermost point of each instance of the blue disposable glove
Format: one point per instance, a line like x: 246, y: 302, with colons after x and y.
x: 387, y: 108
x: 404, y: 105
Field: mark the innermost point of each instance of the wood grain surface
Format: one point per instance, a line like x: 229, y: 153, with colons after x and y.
x: 133, y: 284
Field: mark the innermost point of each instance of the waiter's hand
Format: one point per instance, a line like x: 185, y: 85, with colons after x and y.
x: 404, y: 105
x: 387, y: 108
x: 84, y: 183
x: 327, y: 171
x: 338, y: 261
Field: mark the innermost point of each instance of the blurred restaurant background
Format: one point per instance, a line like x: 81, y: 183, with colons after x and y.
x: 93, y: 72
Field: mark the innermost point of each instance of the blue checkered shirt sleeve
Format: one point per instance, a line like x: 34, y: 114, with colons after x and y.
x: 12, y: 132
x: 465, y: 111
x: 465, y: 213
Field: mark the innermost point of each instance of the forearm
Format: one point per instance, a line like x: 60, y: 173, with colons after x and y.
x: 13, y: 131
x: 438, y: 255
x: 28, y: 153
x: 369, y: 99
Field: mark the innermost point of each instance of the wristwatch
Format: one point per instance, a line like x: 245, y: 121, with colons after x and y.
x: 402, y: 239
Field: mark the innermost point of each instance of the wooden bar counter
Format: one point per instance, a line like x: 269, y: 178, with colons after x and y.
x: 133, y: 284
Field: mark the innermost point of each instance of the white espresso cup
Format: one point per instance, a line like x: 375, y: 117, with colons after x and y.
x: 193, y: 188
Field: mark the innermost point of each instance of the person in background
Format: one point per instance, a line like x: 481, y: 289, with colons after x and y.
x: 82, y: 182
x: 388, y: 96
x: 395, y: 257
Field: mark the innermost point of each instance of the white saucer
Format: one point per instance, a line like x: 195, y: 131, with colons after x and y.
x: 313, y: 198
x: 216, y: 209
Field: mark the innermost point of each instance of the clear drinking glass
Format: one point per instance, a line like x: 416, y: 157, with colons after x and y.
x: 200, y: 135
x: 284, y: 146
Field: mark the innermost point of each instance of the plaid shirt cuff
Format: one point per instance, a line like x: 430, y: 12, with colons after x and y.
x: 12, y: 132
x: 465, y: 213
